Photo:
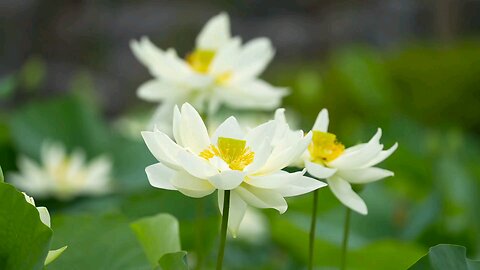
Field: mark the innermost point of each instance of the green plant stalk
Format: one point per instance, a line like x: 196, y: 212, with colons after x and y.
x: 346, y: 233
x: 223, y: 232
x: 313, y: 225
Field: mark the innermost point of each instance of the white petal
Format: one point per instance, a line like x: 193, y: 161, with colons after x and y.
x: 195, y: 165
x: 177, y: 118
x: 226, y: 58
x: 343, y: 191
x: 318, y: 170
x: 253, y: 58
x: 274, y: 180
x: 258, y: 135
x: 193, y: 132
x: 192, y: 186
x: 262, y: 153
x: 300, y: 185
x: 381, y: 156
x: 321, y: 123
x: 162, y: 147
x: 228, y: 129
x: 256, y: 94
x: 160, y: 175
x: 280, y: 115
x: 215, y: 33
x: 360, y: 157
x: 44, y: 215
x: 155, y: 90
x: 363, y: 176
x: 262, y: 198
x: 237, y: 210
x: 227, y: 180
x: 54, y: 254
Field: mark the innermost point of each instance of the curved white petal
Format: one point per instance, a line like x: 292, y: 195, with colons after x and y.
x: 160, y: 175
x: 226, y: 58
x: 258, y: 135
x: 195, y: 165
x: 361, y: 156
x: 318, y: 170
x: 177, y: 118
x: 343, y: 191
x: 262, y: 153
x: 322, y: 121
x: 227, y: 180
x: 193, y: 132
x: 301, y: 185
x: 363, y: 176
x: 228, y: 129
x: 237, y: 210
x: 274, y: 180
x: 44, y: 215
x: 54, y: 254
x: 192, y: 186
x: 253, y: 58
x: 256, y: 94
x: 262, y: 198
x: 162, y: 147
x: 381, y: 156
x: 215, y: 33
x: 155, y: 90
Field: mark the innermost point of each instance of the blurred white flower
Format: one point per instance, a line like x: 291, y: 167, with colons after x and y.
x: 220, y: 70
x: 45, y: 218
x: 328, y: 159
x: 62, y: 176
x: 247, y: 163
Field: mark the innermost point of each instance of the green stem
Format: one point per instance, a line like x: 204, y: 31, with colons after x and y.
x: 223, y: 233
x: 346, y: 233
x: 313, y: 225
x: 200, y: 209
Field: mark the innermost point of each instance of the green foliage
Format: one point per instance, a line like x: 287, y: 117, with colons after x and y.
x: 25, y: 240
x: 446, y: 257
x: 103, y: 242
x: 174, y: 261
x: 2, y: 179
x: 158, y: 235
x: 33, y: 73
x: 7, y: 85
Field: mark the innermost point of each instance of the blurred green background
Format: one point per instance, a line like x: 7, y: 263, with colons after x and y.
x: 410, y: 67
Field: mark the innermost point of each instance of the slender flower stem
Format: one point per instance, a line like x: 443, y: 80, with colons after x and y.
x: 313, y: 224
x: 223, y: 233
x: 346, y: 233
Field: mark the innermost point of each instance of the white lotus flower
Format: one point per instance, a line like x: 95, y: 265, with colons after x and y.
x: 220, y: 70
x: 45, y: 218
x: 328, y: 159
x: 62, y: 176
x: 247, y: 163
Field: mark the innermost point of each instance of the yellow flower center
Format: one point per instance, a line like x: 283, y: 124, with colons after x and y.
x: 200, y: 60
x: 234, y: 152
x: 325, y: 147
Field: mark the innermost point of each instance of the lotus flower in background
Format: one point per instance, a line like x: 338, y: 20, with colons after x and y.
x: 249, y: 163
x: 62, y: 176
x: 219, y: 70
x: 328, y: 159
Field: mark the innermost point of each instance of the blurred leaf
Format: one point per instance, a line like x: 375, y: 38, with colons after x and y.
x: 174, y: 261
x: 66, y: 120
x: 446, y: 257
x: 100, y: 242
x: 2, y: 179
x: 158, y: 235
x: 25, y: 240
x: 33, y: 73
x: 54, y: 254
x: 7, y: 85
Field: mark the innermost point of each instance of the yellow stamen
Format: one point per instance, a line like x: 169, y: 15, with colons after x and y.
x: 325, y: 147
x: 234, y: 152
x: 223, y: 78
x: 200, y: 60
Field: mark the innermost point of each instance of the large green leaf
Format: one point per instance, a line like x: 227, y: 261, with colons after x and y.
x: 446, y: 257
x: 158, y: 235
x: 25, y: 240
x: 174, y: 261
x: 100, y: 242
